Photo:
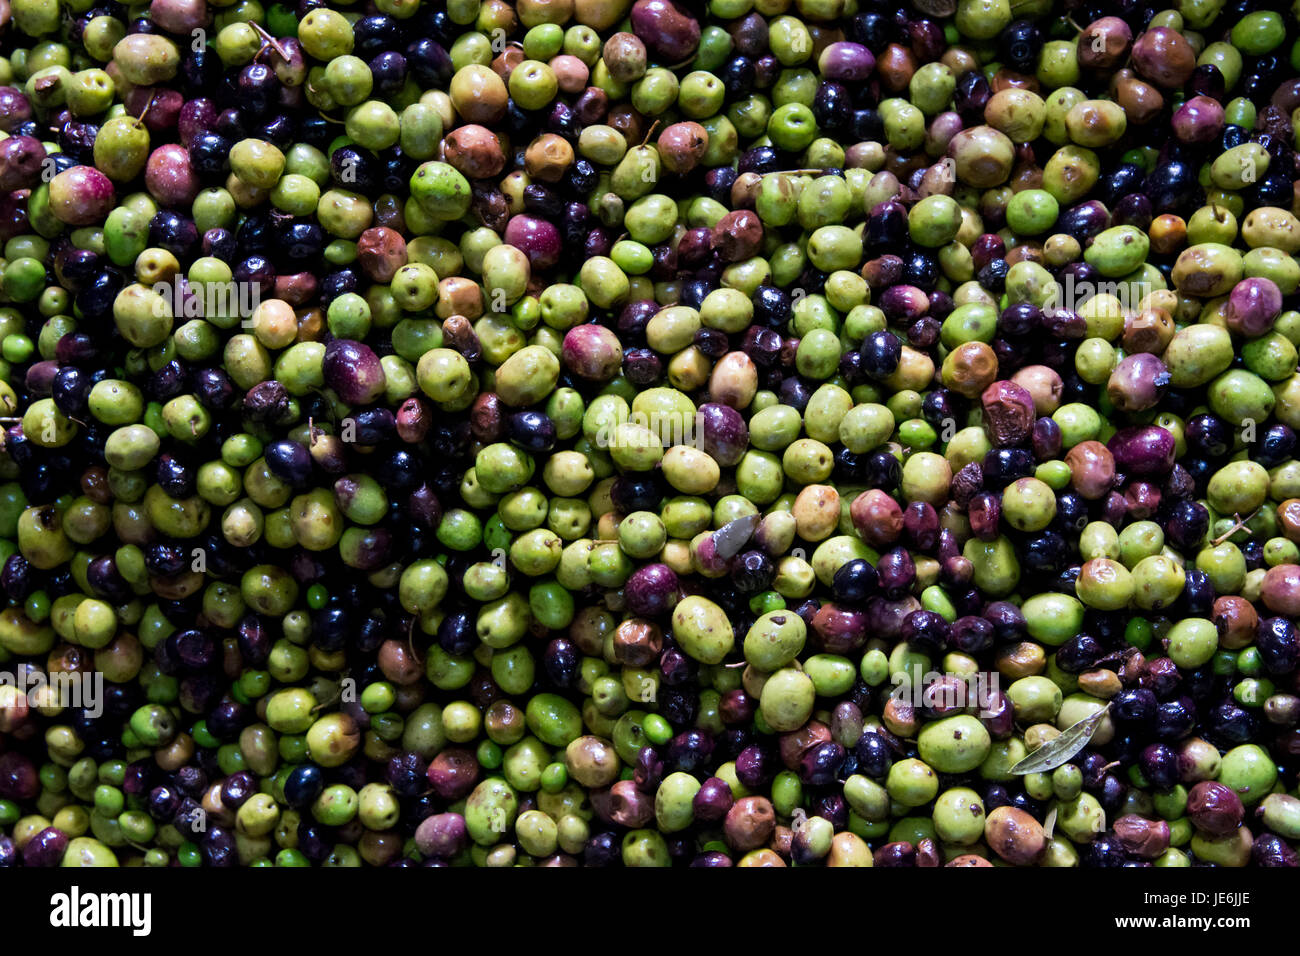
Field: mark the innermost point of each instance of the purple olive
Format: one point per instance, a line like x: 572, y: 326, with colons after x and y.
x: 725, y: 434
x: 169, y: 177
x: 442, y: 835
x: 1142, y: 450
x: 353, y: 371
x: 536, y: 238
x: 623, y: 805
x: 592, y: 352
x: 998, y: 715
x: 21, y: 159
x: 712, y: 800
x: 254, y: 641
x: 666, y: 28
x: 1253, y: 306
x: 197, y: 116
x: 1138, y: 382
x: 754, y: 767
x: 15, y: 108
x: 1199, y: 120
x: 18, y: 780
x: 81, y: 196
x: 46, y: 848
x: 652, y: 590
x: 885, y: 618
x: 839, y: 629
x: 820, y: 763
x: 1214, y: 808
x: 423, y: 507
x: 846, y: 62
x: 1164, y: 56
x: 694, y: 248
x: 13, y: 215
x: 289, y: 461
x: 1008, y: 413
x: 904, y: 303
x: 1271, y: 850
x: 900, y: 853
x: 1159, y: 764
x: 453, y: 773
x: 1046, y: 439
x: 40, y: 378
x: 712, y: 860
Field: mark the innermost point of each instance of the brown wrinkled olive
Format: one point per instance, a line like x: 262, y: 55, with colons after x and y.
x: 1015, y: 836
x: 1141, y: 101
x: 738, y: 235
x: 548, y: 157
x: 1009, y: 411
x: 877, y: 517
x: 749, y: 823
x: 1104, y: 44
x: 1140, y: 837
x: 1164, y: 56
x: 475, y: 151
x: 970, y: 368
x: 381, y: 252
x: 637, y: 642
x: 1214, y: 808
x: 1092, y: 469
x: 682, y: 145
x: 1148, y: 331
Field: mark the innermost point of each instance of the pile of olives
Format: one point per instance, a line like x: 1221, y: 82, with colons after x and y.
x: 649, y: 433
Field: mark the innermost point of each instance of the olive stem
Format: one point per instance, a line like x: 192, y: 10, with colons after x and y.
x: 1241, y: 523
x: 270, y: 40
x: 653, y: 126
x: 140, y: 119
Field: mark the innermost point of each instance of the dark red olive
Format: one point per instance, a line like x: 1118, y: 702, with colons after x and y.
x: 352, y: 369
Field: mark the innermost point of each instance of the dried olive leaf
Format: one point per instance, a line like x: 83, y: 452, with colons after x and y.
x: 734, y: 535
x: 1060, y: 749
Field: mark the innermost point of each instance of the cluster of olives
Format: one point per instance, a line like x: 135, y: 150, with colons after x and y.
x: 640, y: 432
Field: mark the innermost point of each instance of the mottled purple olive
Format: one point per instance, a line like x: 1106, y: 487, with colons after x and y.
x: 353, y: 370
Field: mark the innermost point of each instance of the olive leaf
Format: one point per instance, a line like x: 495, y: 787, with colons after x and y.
x: 734, y: 535
x: 1061, y: 748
